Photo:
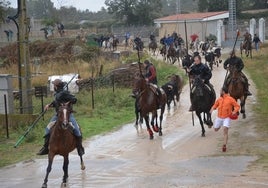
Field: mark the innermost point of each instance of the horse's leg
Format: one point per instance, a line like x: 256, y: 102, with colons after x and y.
x: 50, y: 161
x: 82, y: 163
x: 154, y: 121
x: 209, y: 120
x: 65, y: 170
x: 242, y: 104
x: 151, y: 134
x: 161, y: 119
x: 201, y: 123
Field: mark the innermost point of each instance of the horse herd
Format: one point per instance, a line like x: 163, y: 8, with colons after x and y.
x: 148, y: 101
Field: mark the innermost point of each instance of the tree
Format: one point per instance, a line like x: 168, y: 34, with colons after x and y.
x: 122, y: 9
x: 3, y: 9
x: 41, y: 9
x: 202, y: 5
x: 147, y: 11
x: 136, y: 12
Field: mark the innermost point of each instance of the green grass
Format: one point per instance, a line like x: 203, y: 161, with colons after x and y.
x: 258, y: 70
x: 112, y: 110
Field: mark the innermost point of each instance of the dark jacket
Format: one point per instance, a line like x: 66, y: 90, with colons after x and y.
x: 150, y: 73
x: 235, y: 62
x: 62, y: 96
x: 201, y: 70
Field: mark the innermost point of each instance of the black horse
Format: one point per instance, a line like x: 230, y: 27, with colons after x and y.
x: 173, y: 89
x: 202, y: 99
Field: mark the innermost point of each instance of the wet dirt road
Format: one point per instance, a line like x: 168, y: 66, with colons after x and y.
x: 180, y: 158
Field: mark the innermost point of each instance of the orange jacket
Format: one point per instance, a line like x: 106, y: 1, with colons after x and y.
x: 226, y: 105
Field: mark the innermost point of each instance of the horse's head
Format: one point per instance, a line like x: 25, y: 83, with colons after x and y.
x: 234, y: 73
x: 63, y: 114
x: 139, y: 84
x: 198, y: 86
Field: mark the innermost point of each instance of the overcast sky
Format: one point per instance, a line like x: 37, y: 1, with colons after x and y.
x: 91, y: 5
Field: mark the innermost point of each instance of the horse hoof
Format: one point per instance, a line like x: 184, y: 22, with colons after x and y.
x: 155, y: 128
x: 203, y: 135
x: 244, y: 116
x: 160, y: 133
x: 83, y: 167
x: 63, y: 184
x: 44, y: 185
x: 151, y: 137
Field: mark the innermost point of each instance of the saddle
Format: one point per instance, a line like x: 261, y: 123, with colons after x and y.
x: 155, y: 89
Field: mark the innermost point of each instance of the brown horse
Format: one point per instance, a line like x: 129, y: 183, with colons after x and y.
x: 62, y: 142
x: 148, y: 101
x: 172, y: 54
x: 246, y: 46
x: 237, y: 89
x: 153, y: 46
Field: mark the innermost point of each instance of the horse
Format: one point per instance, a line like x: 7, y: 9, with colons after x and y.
x: 115, y: 42
x: 202, y: 100
x: 153, y: 46
x: 172, y: 54
x: 210, y: 59
x: 148, y: 101
x: 247, y: 46
x: 173, y: 89
x: 61, y: 142
x: 163, y: 52
x: 237, y: 89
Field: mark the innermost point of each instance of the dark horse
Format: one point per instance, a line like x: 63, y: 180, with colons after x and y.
x: 247, y: 46
x: 173, y: 89
x: 62, y: 142
x: 202, y: 100
x: 148, y: 101
x: 153, y: 46
x: 115, y: 43
x: 171, y: 54
x: 237, y: 89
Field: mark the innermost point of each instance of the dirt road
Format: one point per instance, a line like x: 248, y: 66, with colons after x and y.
x: 180, y: 158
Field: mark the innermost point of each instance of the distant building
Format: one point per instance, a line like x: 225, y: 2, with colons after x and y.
x: 201, y: 24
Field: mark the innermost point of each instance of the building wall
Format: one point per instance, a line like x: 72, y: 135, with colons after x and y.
x: 202, y: 29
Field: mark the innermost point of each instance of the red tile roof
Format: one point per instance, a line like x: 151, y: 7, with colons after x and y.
x: 190, y: 16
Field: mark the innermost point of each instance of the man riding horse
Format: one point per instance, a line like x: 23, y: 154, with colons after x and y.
x: 151, y: 78
x: 62, y: 96
x: 203, y: 71
x: 235, y: 62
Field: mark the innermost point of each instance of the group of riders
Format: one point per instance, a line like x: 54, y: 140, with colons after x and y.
x: 197, y: 69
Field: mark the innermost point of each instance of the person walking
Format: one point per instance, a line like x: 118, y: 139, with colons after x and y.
x: 227, y: 107
x: 256, y: 41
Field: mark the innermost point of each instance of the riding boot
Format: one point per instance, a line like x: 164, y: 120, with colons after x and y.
x: 79, y: 147
x: 44, y: 149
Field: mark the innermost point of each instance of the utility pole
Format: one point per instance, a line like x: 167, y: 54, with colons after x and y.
x: 24, y: 60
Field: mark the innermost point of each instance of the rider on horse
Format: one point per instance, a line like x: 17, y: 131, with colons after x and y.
x: 152, y: 37
x: 202, y: 70
x: 151, y: 78
x: 235, y: 62
x: 61, y: 96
